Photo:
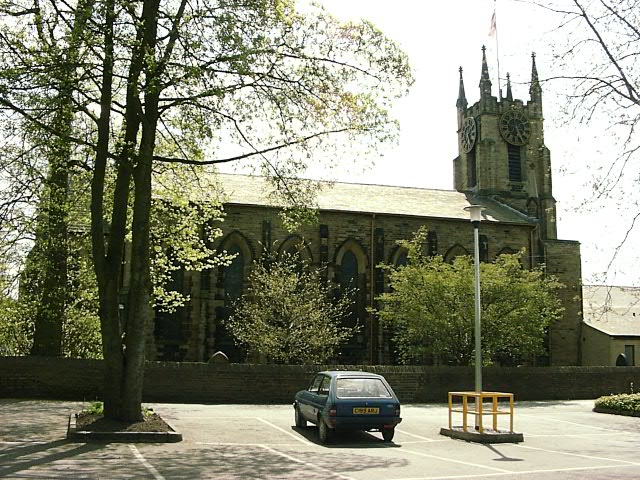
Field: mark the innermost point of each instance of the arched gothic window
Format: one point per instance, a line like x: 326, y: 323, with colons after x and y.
x: 297, y: 248
x: 507, y: 251
x: 453, y: 252
x: 402, y: 258
x: 231, y: 277
x: 349, y: 270
x: 351, y: 262
x: 351, y: 265
x: 234, y: 276
x: 399, y: 256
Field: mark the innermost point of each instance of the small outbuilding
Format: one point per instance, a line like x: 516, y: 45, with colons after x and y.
x: 611, y: 328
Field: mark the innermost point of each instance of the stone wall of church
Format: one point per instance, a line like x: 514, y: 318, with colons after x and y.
x: 563, y: 261
x: 371, y: 237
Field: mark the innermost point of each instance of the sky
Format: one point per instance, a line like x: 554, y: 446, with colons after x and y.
x: 440, y: 37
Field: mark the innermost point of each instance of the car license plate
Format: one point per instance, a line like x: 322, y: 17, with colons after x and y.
x: 366, y: 411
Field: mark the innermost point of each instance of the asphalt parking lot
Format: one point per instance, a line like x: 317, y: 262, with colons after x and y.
x: 562, y: 440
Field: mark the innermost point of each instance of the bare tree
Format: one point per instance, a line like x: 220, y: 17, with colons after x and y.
x: 597, y: 67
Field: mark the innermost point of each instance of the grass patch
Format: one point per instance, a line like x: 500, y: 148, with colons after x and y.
x: 624, y: 403
x: 97, y: 408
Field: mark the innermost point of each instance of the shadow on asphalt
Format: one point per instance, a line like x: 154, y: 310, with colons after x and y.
x: 501, y: 456
x: 346, y: 439
x: 20, y: 458
x: 255, y: 462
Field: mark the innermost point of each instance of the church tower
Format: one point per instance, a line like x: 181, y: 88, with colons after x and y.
x: 502, y: 157
x: 502, y: 154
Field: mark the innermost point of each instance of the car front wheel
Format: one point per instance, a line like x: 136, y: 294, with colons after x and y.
x: 324, y: 432
x: 300, y: 421
x: 387, y: 434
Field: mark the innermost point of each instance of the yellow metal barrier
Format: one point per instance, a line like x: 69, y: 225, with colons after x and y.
x: 478, y: 411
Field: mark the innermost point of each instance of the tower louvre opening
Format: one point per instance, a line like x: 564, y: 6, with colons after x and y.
x: 515, y: 163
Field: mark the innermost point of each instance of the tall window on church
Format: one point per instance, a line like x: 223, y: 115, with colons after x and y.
x: 349, y: 277
x: 348, y: 270
x: 233, y: 276
x: 472, y: 178
x: 484, y: 248
x: 515, y: 163
x: 432, y: 243
x: 401, y: 261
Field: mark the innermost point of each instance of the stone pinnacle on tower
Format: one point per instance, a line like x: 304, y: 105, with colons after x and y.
x: 462, y: 99
x: 535, y: 90
x: 509, y: 92
x: 485, y: 81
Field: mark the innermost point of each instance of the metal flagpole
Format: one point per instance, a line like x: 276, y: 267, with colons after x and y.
x: 494, y: 32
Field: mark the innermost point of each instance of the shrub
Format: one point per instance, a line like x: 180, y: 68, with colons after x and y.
x: 623, y: 403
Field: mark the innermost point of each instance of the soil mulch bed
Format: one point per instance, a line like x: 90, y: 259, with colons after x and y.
x: 89, y: 422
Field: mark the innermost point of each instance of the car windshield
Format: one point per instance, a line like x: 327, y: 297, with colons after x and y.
x: 362, y: 387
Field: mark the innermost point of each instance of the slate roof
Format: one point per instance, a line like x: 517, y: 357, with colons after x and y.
x: 614, y: 311
x: 379, y: 199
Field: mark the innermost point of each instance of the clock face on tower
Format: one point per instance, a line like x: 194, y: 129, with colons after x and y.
x: 469, y: 133
x: 515, y: 128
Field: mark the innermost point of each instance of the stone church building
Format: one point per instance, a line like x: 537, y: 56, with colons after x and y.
x: 502, y: 164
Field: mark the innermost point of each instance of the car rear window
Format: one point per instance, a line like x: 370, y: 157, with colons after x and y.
x: 361, y: 387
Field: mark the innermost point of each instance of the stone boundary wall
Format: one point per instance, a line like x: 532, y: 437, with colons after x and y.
x: 74, y: 379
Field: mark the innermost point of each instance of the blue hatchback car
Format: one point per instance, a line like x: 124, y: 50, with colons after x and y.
x: 348, y: 400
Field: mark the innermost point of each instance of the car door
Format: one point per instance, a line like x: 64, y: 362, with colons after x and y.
x: 320, y: 398
x: 308, y: 398
x: 316, y: 397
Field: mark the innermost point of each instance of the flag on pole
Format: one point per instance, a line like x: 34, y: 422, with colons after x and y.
x: 492, y: 29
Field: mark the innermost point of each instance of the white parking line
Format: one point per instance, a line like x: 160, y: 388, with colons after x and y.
x: 245, y: 444
x: 579, y: 435
x: 415, y: 436
x: 510, y: 474
x: 297, y: 437
x: 444, y: 459
x: 306, y: 464
x: 590, y: 457
x: 146, y: 464
x: 21, y: 442
x: 556, y: 420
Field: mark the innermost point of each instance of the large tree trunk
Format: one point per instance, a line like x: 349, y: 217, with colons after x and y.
x: 140, y: 290
x: 107, y: 260
x: 124, y: 338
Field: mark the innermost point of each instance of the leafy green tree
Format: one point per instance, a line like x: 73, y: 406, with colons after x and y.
x: 49, y: 96
x: 16, y: 334
x: 288, y: 316
x: 430, y: 308
x: 81, y: 325
x: 183, y: 229
x: 185, y: 223
x: 198, y: 83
